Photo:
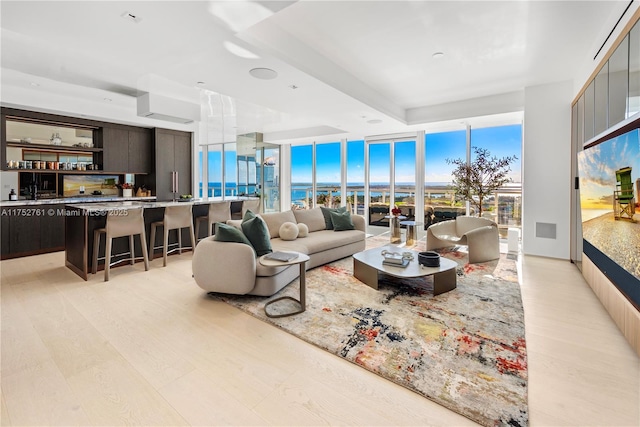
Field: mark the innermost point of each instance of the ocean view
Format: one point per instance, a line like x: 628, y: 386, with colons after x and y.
x: 301, y: 191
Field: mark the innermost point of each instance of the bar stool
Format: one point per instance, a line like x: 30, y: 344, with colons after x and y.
x: 218, y: 212
x: 252, y: 205
x: 119, y: 226
x: 175, y: 218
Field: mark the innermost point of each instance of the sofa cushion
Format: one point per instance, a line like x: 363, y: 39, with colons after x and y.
x: 312, y: 217
x: 229, y: 233
x: 289, y: 231
x: 274, y: 221
x: 342, y: 221
x: 237, y: 223
x: 257, y: 233
x: 326, y: 212
x: 303, y: 230
x: 319, y: 241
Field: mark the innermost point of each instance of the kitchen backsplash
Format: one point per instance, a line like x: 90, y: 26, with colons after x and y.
x: 74, y: 185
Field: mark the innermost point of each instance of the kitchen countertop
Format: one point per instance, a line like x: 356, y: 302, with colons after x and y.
x: 72, y: 200
x: 133, y: 204
x: 109, y: 199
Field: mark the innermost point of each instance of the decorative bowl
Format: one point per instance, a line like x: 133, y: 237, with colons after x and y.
x: 429, y: 259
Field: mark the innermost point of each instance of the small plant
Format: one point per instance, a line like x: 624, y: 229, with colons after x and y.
x: 396, y: 210
x: 477, y: 180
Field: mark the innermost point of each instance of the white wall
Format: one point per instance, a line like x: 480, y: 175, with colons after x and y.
x: 546, y: 168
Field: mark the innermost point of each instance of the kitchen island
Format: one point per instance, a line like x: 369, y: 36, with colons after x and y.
x: 31, y: 227
x: 82, y: 219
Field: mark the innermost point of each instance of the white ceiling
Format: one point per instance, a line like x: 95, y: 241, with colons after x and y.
x: 352, y: 61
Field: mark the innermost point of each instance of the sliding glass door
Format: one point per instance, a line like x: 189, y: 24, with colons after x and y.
x: 404, y: 179
x: 391, y: 178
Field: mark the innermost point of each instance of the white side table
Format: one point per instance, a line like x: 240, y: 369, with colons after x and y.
x: 301, y: 261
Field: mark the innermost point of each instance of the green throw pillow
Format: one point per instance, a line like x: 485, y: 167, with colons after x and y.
x: 257, y: 232
x: 342, y: 221
x: 228, y: 233
x: 326, y: 212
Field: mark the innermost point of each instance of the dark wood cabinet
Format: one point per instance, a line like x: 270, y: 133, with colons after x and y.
x: 52, y: 228
x: 172, y: 162
x: 24, y: 232
x: 127, y: 150
x: 140, y: 152
x: 115, y: 149
x: 32, y: 229
x: 5, y: 250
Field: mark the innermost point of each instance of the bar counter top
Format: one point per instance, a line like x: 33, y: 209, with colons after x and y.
x: 74, y: 200
x: 133, y: 204
x: 117, y: 201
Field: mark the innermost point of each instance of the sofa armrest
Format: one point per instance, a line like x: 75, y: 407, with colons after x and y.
x: 359, y: 222
x: 225, y: 267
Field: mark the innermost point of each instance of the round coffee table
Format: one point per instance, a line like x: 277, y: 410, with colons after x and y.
x: 301, y: 259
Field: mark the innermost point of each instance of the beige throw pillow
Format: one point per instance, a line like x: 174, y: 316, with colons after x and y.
x: 312, y: 217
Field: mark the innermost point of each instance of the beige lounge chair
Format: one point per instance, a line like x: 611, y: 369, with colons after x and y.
x: 479, y: 234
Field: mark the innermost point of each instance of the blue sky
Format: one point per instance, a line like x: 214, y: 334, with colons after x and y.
x: 501, y: 141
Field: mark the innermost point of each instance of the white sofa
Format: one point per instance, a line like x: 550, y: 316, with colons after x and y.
x: 233, y: 268
x: 479, y: 234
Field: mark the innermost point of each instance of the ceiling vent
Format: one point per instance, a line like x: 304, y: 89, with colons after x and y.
x: 162, y: 108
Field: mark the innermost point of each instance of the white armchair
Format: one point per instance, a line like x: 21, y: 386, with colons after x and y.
x: 479, y: 234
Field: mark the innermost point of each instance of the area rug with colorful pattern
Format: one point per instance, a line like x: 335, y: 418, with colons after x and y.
x: 464, y: 349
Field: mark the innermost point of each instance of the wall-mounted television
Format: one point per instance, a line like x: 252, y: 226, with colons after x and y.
x: 609, y: 173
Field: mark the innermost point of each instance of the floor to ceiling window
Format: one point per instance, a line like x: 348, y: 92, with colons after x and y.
x: 201, y: 153
x: 328, y: 174
x: 355, y: 176
x: 214, y: 170
x: 404, y: 178
x: 230, y: 170
x: 379, y: 179
x: 302, y: 176
x: 382, y: 172
x: 268, y: 176
x: 505, y: 205
x: 439, y: 199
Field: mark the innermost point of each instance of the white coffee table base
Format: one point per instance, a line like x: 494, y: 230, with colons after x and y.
x: 367, y: 267
x: 301, y: 261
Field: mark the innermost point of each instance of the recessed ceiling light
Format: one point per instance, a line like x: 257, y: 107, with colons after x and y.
x: 239, y: 51
x: 438, y: 55
x: 34, y: 84
x: 131, y: 17
x: 107, y: 99
x: 263, y: 73
x: 374, y: 121
x: 293, y: 87
x: 199, y: 83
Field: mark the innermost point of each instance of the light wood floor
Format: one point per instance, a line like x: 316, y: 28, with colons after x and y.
x: 149, y: 348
